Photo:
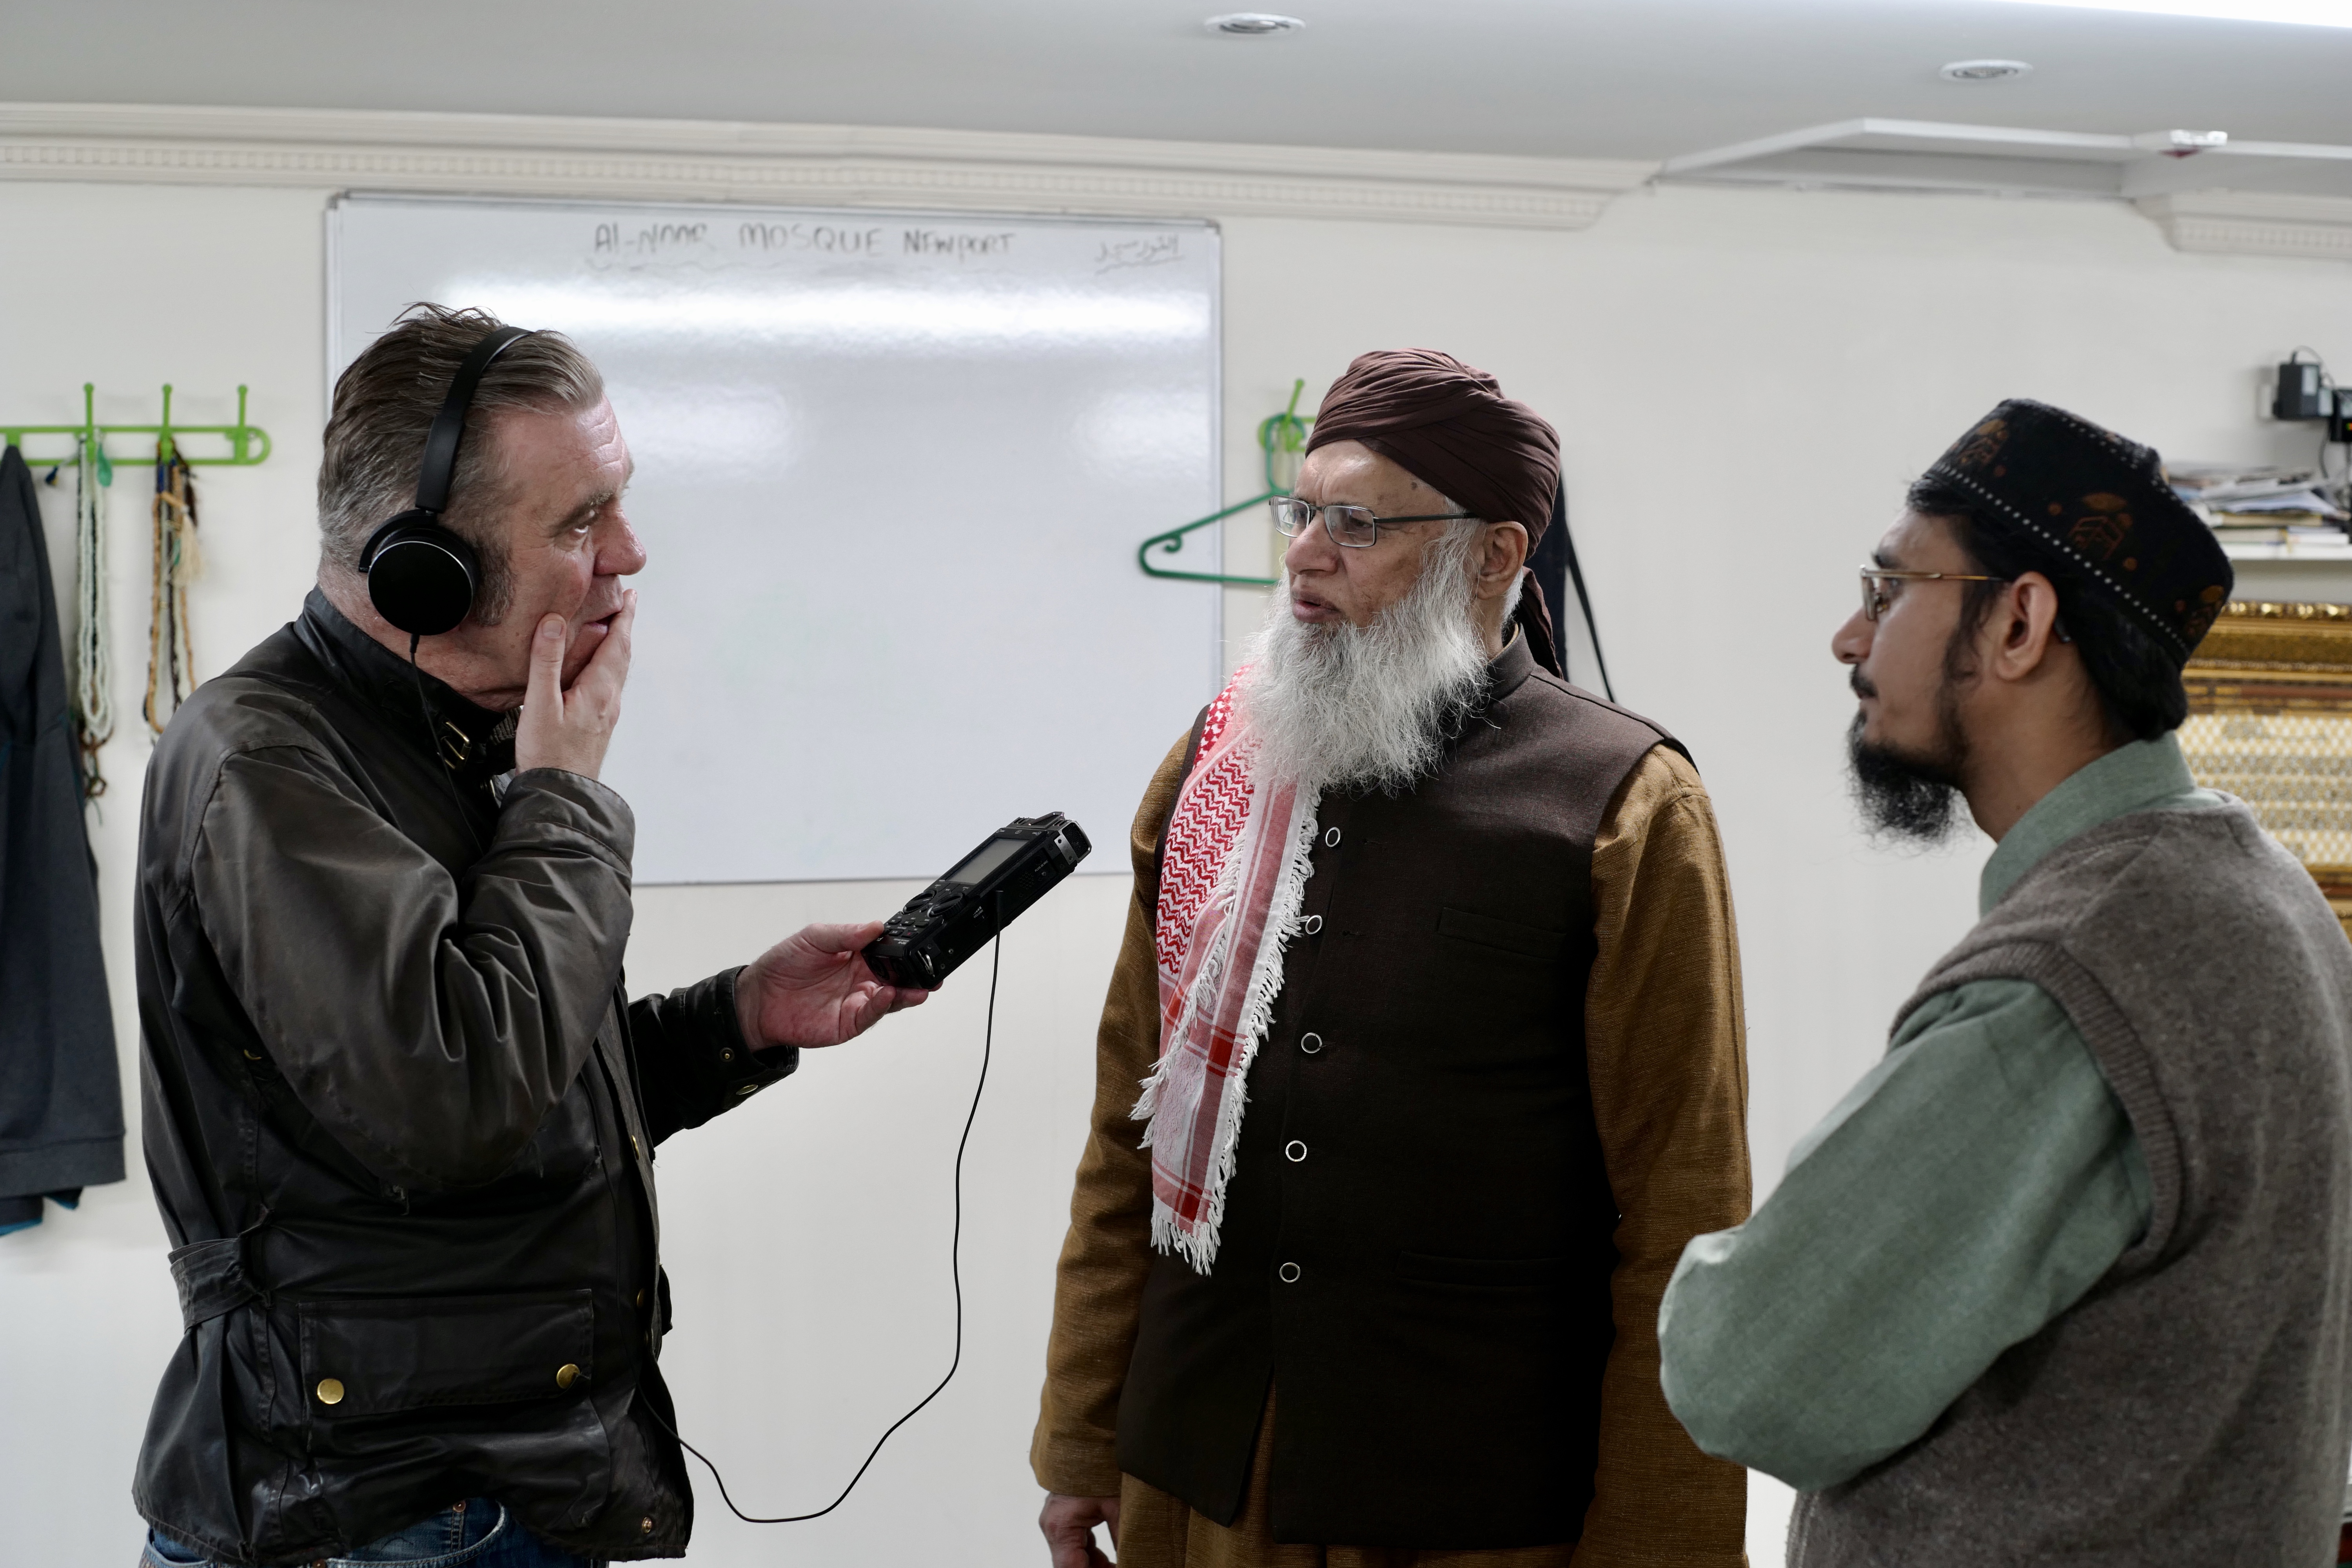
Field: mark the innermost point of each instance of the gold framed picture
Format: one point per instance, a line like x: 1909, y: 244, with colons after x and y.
x: 2270, y: 721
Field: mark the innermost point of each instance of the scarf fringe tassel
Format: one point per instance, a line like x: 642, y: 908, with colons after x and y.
x: 1197, y: 1243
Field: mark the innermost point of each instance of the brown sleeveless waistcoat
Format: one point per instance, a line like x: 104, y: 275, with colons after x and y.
x: 1417, y: 1241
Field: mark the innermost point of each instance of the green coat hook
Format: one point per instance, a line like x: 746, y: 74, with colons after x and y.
x: 247, y: 444
x: 1283, y: 432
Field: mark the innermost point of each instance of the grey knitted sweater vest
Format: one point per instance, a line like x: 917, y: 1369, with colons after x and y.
x: 2191, y: 1409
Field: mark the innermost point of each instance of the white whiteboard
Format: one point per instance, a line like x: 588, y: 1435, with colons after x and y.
x: 892, y: 472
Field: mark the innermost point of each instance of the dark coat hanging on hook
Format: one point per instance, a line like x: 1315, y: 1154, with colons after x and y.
x: 60, y: 1093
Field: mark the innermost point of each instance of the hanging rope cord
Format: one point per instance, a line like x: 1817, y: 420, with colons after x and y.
x: 93, y: 708
x: 955, y: 1275
x: 171, y: 662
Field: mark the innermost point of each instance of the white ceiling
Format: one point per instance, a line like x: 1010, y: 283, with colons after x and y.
x: 1625, y: 79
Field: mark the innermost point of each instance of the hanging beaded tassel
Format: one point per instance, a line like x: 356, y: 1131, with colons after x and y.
x: 171, y: 673
x: 93, y: 704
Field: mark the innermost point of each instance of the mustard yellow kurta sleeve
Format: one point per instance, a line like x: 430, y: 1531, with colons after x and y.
x: 1666, y: 1047
x: 1098, y: 1284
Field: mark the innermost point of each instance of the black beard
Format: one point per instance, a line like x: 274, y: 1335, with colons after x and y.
x: 1905, y: 796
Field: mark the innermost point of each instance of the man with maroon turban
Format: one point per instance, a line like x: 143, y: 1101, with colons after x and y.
x: 1421, y: 1062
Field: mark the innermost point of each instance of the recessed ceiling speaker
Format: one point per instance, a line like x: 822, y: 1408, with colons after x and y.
x: 1253, y: 24
x: 1984, y: 71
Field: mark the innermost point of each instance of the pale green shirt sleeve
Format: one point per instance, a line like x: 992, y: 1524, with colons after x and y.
x: 1972, y: 1188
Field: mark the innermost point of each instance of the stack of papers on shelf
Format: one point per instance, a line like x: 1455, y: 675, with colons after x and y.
x: 2266, y: 512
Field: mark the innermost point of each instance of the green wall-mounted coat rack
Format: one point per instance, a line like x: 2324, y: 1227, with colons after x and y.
x: 247, y: 444
x: 1283, y: 432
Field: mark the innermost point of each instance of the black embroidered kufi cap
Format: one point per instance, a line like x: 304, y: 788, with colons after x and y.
x: 2100, y: 504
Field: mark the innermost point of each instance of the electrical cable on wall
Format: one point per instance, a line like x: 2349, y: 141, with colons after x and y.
x: 2307, y: 392
x: 171, y: 672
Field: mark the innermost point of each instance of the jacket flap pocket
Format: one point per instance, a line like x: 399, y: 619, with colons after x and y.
x: 1437, y: 1270
x: 1534, y: 942
x: 369, y: 1355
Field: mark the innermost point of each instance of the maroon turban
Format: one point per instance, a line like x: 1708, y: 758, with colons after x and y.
x: 1451, y: 427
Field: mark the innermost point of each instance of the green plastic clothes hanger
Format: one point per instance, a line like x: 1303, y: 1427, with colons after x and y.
x: 247, y: 444
x: 1285, y: 433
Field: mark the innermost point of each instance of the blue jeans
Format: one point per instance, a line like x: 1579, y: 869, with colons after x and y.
x: 477, y: 1533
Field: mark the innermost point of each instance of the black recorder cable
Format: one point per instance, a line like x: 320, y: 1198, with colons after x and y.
x: 955, y: 1274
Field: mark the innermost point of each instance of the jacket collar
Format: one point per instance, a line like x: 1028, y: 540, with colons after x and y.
x: 1511, y: 668
x: 475, y: 743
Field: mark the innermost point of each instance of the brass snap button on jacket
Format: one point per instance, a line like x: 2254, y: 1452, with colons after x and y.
x: 1294, y: 1151
x: 566, y: 1375
x: 1287, y: 1273
x: 331, y: 1391
x: 641, y: 1298
x: 1310, y: 1042
x: 646, y: 1525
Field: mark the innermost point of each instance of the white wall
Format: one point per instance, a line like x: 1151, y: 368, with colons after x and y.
x: 1743, y: 380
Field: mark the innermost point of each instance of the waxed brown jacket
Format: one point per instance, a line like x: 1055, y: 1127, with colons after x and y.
x: 400, y: 1118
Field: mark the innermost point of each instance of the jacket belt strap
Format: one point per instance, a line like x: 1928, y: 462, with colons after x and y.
x: 213, y: 1280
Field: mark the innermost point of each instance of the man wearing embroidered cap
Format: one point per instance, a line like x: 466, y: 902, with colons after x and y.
x: 2067, y: 1277
x: 1422, y: 1061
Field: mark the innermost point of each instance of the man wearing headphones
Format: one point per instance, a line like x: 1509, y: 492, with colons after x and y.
x: 400, y: 1114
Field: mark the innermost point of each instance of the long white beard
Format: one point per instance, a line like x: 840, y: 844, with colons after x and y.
x: 1340, y: 706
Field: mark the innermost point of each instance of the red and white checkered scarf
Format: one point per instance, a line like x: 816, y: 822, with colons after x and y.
x: 1233, y: 869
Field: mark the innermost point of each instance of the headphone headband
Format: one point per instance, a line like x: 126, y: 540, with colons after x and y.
x: 440, y: 465
x: 421, y: 576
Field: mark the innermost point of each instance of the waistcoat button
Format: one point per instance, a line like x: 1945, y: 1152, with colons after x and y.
x: 1294, y: 1151
x: 1310, y: 1042
x: 1331, y: 840
x: 1287, y: 1273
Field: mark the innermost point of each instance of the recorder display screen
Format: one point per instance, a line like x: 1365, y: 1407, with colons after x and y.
x: 983, y: 861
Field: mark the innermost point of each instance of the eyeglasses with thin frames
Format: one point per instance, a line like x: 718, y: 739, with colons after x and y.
x: 1877, y: 591
x: 1352, y: 526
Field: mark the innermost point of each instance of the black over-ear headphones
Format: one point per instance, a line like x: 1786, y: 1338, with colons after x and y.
x: 420, y: 575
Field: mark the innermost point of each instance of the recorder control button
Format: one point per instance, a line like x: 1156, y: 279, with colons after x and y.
x: 1310, y: 1042
x: 1294, y: 1151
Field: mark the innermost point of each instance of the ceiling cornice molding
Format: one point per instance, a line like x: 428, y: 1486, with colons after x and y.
x: 2249, y: 224
x: 824, y: 165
